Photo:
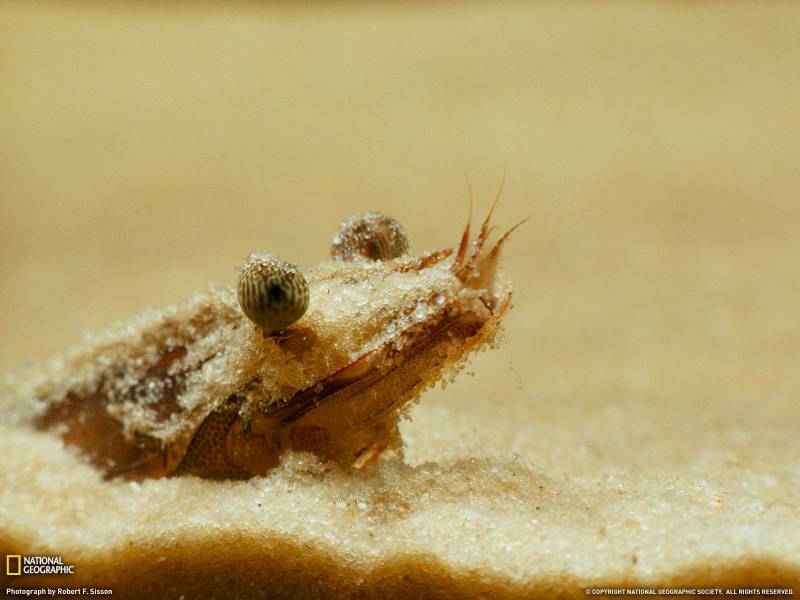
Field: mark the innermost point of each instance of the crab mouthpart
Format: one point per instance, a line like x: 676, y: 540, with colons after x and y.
x: 474, y: 265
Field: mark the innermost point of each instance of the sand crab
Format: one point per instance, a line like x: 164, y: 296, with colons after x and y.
x: 198, y: 388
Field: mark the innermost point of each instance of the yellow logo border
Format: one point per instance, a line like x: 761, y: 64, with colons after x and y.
x: 8, y: 564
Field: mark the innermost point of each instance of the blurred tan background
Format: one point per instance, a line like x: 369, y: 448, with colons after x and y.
x: 146, y: 148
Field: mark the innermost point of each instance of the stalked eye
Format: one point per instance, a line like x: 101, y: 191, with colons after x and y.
x: 272, y: 293
x: 371, y: 235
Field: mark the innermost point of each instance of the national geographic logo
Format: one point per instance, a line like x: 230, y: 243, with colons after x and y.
x: 17, y: 564
x: 13, y: 564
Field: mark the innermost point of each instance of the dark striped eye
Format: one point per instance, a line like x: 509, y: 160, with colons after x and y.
x: 371, y: 235
x: 272, y: 293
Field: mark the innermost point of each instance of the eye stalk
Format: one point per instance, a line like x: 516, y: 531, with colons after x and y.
x: 370, y: 235
x: 273, y: 293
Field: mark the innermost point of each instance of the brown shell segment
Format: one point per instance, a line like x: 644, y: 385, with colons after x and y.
x: 272, y: 293
x: 208, y: 455
x: 370, y: 235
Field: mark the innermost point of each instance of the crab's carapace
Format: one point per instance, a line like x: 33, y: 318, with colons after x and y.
x: 197, y: 388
